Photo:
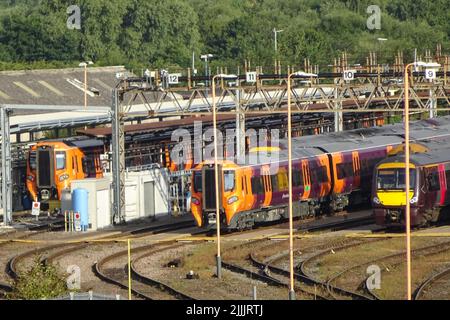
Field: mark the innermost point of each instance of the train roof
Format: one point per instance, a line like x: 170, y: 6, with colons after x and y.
x: 439, y: 152
x: 373, y: 137
x: 88, y: 143
x: 75, y: 142
x: 280, y: 156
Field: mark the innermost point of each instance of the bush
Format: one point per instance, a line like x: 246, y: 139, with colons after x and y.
x: 40, y: 282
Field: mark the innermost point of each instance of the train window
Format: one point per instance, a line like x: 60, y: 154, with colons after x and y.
x: 321, y: 174
x: 344, y: 170
x: 297, y: 178
x: 433, y: 181
x: 60, y: 160
x: 32, y: 160
x: 84, y: 167
x: 274, y: 180
x: 447, y: 176
x: 228, y: 180
x: 257, y: 186
x: 197, y: 181
x: 246, y: 185
x: 283, y: 182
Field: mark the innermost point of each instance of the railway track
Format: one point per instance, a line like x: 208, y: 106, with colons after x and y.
x: 312, y: 283
x: 32, y: 231
x: 5, y: 289
x: 67, y: 248
x: 268, y: 267
x: 12, y: 266
x: 327, y: 285
x: 423, y: 251
x: 367, y: 294
x: 144, y: 287
x: 431, y: 283
x: 349, y: 222
x: 265, y: 277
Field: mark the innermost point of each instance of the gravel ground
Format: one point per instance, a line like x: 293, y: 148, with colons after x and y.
x: 85, y: 259
x: 232, y: 286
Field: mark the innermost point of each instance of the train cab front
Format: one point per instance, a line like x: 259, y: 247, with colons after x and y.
x: 203, y: 201
x: 389, y: 195
x: 47, y: 175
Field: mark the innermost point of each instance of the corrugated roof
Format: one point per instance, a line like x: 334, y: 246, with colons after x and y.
x: 58, y: 86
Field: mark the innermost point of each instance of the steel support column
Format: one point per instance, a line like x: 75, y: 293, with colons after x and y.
x: 433, y: 104
x: 6, y: 167
x: 338, y: 115
x: 240, y: 126
x: 118, y: 153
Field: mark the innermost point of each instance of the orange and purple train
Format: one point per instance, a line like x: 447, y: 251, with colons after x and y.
x: 429, y: 194
x: 330, y: 173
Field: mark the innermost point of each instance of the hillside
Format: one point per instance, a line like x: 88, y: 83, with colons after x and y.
x: 165, y: 32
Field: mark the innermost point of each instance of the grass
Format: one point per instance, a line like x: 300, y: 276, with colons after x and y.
x: 40, y: 282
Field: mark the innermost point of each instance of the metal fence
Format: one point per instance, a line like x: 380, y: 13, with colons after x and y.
x: 88, y: 296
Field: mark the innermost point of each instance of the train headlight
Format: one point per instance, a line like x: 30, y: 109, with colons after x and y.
x: 233, y: 199
x: 376, y: 200
x: 63, y: 177
x: 413, y: 200
x: 195, y: 201
x: 45, y: 194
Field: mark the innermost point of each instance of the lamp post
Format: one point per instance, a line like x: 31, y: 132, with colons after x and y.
x: 291, y: 219
x: 275, y: 34
x: 206, y: 57
x: 85, y: 65
x: 216, y: 171
x: 380, y: 40
x: 407, y: 167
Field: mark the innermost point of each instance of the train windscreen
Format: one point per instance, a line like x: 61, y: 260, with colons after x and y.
x: 44, y: 168
x: 209, y: 194
x: 394, y: 179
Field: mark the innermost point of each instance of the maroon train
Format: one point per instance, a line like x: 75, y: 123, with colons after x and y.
x: 330, y: 172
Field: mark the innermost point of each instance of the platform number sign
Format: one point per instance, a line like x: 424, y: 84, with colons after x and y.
x: 250, y: 77
x: 349, y: 75
x: 36, y: 209
x: 174, y: 78
x: 77, y: 221
x: 430, y: 74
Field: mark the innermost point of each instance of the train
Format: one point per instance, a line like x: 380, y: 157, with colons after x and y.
x: 429, y: 185
x: 331, y: 173
x: 52, y: 165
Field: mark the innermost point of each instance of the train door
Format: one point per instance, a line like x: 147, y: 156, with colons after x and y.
x: 443, y: 185
x: 306, y: 180
x: 343, y: 172
x: 433, y: 195
x: 249, y: 195
x: 267, y: 186
x: 447, y: 182
x: 356, y: 170
x: 324, y: 175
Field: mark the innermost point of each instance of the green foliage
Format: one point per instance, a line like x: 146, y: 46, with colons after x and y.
x: 158, y: 33
x: 40, y: 282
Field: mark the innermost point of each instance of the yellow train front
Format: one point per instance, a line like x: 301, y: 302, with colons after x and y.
x: 52, y: 165
x: 429, y: 194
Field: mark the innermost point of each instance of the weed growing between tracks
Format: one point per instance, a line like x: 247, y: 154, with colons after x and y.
x: 40, y: 282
